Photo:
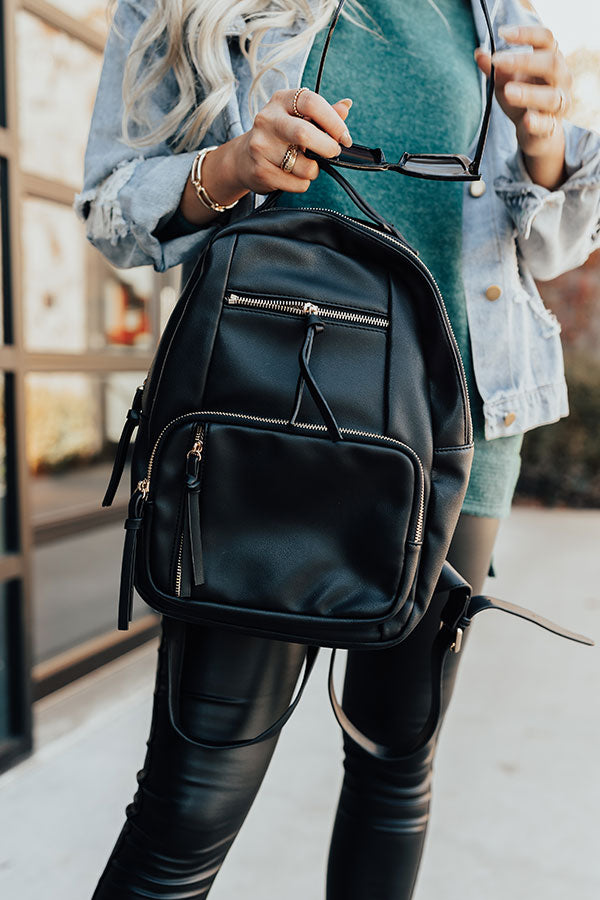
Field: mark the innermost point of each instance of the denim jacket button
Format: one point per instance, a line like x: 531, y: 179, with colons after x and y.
x: 493, y: 292
x: 477, y: 188
x: 509, y: 418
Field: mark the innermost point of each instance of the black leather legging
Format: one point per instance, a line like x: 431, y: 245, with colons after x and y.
x: 191, y: 803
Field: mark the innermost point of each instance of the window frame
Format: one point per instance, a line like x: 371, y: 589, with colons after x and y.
x: 30, y: 682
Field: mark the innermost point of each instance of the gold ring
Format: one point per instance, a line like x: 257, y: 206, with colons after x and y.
x: 553, y: 128
x: 562, y: 106
x: 289, y: 160
x: 295, y: 110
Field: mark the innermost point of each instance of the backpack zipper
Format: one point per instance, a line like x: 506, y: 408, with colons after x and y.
x: 305, y: 308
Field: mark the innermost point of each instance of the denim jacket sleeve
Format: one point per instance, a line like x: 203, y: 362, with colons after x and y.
x: 128, y: 196
x: 556, y: 230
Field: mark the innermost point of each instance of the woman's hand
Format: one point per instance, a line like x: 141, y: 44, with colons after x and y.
x: 261, y: 150
x: 534, y: 90
x: 252, y: 161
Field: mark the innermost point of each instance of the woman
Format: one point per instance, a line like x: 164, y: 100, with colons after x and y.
x: 187, y: 73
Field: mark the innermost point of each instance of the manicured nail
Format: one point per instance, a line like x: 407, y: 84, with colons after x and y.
x: 347, y: 101
x: 512, y: 91
x: 534, y: 119
x: 509, y: 32
x: 345, y: 139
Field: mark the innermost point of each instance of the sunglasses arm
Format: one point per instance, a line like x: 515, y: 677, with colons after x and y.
x: 373, y: 159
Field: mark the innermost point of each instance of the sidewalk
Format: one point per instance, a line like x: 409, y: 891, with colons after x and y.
x: 517, y: 790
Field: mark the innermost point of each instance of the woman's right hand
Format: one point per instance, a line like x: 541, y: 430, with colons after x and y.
x: 252, y: 161
x: 261, y: 150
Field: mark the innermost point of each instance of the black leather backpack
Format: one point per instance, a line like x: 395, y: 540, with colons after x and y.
x: 304, y: 439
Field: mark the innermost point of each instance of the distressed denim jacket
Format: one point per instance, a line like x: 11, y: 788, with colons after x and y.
x: 513, y: 232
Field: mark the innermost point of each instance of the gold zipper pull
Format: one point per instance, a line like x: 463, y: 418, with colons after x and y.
x: 198, y: 445
x: 194, y: 456
x: 197, y: 449
x: 143, y: 487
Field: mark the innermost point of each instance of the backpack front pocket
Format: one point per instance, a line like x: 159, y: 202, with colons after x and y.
x: 254, y: 365
x: 286, y: 521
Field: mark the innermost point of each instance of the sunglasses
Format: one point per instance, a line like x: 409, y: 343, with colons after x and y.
x: 432, y: 166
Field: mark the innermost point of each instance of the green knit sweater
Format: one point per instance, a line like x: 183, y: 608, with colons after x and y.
x: 418, y: 89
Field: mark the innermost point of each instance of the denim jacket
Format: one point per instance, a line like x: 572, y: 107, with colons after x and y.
x: 513, y: 232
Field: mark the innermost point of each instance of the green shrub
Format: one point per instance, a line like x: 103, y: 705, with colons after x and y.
x: 561, y: 462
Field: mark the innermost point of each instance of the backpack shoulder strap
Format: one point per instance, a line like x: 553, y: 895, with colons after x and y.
x: 448, y: 640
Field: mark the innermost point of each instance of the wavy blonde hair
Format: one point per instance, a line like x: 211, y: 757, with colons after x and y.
x: 188, y: 38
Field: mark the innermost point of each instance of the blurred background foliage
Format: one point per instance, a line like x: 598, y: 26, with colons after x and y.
x: 561, y: 462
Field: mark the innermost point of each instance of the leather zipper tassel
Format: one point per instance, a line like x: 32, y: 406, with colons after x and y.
x: 132, y: 420
x: 132, y: 527
x: 314, y: 326
x: 193, y: 476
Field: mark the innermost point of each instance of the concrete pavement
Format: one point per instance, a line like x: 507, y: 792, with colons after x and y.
x: 517, y: 789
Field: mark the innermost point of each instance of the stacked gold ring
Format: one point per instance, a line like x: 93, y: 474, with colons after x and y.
x: 289, y: 160
x: 295, y: 109
x: 562, y: 106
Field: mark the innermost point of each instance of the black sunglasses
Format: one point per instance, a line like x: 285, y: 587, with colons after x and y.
x: 433, y: 166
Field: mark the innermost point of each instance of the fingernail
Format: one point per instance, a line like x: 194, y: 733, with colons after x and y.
x: 347, y: 101
x: 508, y: 31
x: 513, y: 91
x: 534, y: 119
x: 345, y: 139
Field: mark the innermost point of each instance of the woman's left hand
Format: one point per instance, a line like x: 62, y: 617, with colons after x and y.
x: 534, y: 90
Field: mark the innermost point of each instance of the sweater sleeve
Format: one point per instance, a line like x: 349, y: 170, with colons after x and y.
x: 556, y: 230
x: 128, y: 198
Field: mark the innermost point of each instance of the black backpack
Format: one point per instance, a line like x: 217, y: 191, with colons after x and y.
x: 304, y: 444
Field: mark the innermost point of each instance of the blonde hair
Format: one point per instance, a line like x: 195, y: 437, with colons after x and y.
x: 188, y: 38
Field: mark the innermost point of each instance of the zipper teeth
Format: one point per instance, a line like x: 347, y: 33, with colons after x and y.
x: 311, y: 426
x: 421, y: 265
x: 302, y: 307
x: 179, y: 566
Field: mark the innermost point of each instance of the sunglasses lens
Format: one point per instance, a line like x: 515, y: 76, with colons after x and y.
x: 435, y: 166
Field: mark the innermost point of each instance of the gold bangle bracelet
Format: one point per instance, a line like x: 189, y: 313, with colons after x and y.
x: 196, y: 179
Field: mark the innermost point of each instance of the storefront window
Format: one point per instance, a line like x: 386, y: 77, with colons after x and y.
x: 4, y: 538
x: 53, y: 278
x: 76, y: 590
x: 118, y: 301
x: 73, y: 300
x: 3, y: 245
x: 73, y: 424
x: 8, y: 518
x: 5, y: 686
x: 57, y: 81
